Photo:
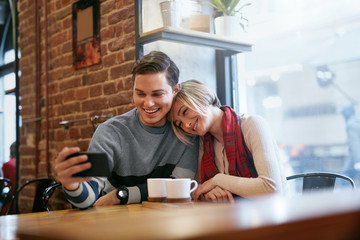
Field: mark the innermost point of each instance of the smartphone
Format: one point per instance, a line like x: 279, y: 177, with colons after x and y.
x: 99, y: 165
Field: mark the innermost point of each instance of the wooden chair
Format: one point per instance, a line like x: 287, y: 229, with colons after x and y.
x: 321, y: 181
x: 5, y: 195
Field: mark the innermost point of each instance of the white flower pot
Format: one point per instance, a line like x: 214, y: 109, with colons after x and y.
x: 228, y: 26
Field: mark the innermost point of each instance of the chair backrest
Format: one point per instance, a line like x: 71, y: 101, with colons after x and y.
x: 42, y: 184
x: 47, y: 195
x: 5, y: 194
x: 320, y: 181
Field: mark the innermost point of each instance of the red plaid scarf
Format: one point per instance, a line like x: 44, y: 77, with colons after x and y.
x: 240, y: 159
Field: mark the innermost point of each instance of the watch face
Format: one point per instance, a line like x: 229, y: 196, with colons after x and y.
x: 122, y: 193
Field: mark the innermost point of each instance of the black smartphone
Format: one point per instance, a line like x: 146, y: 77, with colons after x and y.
x: 99, y: 165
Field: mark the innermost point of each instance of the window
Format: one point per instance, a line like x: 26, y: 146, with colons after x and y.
x: 7, y: 112
x: 7, y: 88
x: 301, y: 76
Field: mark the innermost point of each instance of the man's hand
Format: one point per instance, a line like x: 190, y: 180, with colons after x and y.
x: 108, y: 200
x: 65, y: 168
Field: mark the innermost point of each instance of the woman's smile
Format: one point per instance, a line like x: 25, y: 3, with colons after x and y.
x: 195, y: 125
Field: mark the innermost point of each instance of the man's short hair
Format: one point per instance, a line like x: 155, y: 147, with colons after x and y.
x: 13, y: 150
x: 157, y: 62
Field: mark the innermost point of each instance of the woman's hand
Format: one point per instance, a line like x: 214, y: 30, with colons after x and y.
x: 108, y: 200
x: 203, y: 188
x: 65, y: 168
x: 218, y: 194
x: 210, y: 192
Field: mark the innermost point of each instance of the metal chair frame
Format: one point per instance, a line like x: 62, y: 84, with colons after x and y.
x: 321, y: 180
x: 43, y: 183
x: 5, y: 197
x: 47, y: 195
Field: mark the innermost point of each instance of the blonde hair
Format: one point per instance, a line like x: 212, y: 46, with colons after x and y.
x: 196, y: 96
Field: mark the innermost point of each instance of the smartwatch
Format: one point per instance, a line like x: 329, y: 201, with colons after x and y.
x: 122, y: 194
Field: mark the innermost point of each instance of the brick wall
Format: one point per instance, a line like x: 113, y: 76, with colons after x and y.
x: 72, y: 94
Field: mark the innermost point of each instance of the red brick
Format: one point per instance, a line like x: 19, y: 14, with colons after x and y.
x: 121, y: 71
x: 124, y: 3
x: 109, y: 88
x: 129, y: 25
x: 117, y: 44
x: 120, y: 57
x: 60, y: 135
x: 64, y: 3
x: 70, y: 83
x: 83, y: 144
x: 120, y: 99
x: 107, y: 33
x: 69, y: 108
x: 74, y: 133
x: 129, y: 54
x: 96, y: 77
x: 107, y: 6
x: 81, y: 93
x: 67, y: 47
x: 67, y: 22
x: 95, y: 91
x: 64, y: 12
x: 94, y: 104
x: 125, y: 84
x: 104, y: 49
x: 110, y: 60
x: 69, y: 96
x: 86, y: 132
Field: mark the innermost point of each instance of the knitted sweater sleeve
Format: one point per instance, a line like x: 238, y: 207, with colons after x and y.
x: 262, y: 145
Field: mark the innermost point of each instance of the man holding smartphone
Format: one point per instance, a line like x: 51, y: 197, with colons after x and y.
x: 140, y: 144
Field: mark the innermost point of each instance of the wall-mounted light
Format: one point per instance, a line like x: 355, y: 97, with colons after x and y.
x: 324, y: 76
x: 93, y: 119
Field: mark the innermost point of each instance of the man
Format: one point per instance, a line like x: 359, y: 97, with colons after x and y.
x: 9, y: 171
x: 140, y: 143
x: 9, y: 168
x: 352, y: 165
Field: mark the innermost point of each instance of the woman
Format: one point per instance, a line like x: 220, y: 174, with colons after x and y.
x: 238, y: 155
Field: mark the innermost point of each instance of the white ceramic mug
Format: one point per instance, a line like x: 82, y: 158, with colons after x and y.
x: 156, y: 189
x: 178, y: 190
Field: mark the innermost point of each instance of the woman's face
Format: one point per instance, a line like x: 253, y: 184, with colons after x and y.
x: 153, y: 98
x: 189, y: 120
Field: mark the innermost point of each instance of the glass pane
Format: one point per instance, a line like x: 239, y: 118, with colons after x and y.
x: 9, y: 124
x: 302, y: 76
x: 9, y: 56
x: 190, y: 60
x: 177, y: 13
x: 9, y: 81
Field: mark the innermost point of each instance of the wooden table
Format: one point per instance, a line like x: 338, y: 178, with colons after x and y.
x: 318, y: 216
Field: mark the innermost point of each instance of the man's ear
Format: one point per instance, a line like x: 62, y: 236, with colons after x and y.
x: 177, y: 88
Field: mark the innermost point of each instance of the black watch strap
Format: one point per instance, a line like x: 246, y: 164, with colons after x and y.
x: 122, y: 193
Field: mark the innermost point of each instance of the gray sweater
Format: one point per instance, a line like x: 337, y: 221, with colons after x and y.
x: 136, y: 152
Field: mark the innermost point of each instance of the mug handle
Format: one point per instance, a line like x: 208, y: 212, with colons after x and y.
x: 195, y: 185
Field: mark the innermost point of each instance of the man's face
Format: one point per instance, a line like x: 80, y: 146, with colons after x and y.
x: 152, y: 97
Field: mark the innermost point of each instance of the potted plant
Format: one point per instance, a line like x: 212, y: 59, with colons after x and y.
x: 228, y: 18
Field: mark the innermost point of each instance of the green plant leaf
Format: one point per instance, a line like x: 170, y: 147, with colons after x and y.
x: 228, y: 7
